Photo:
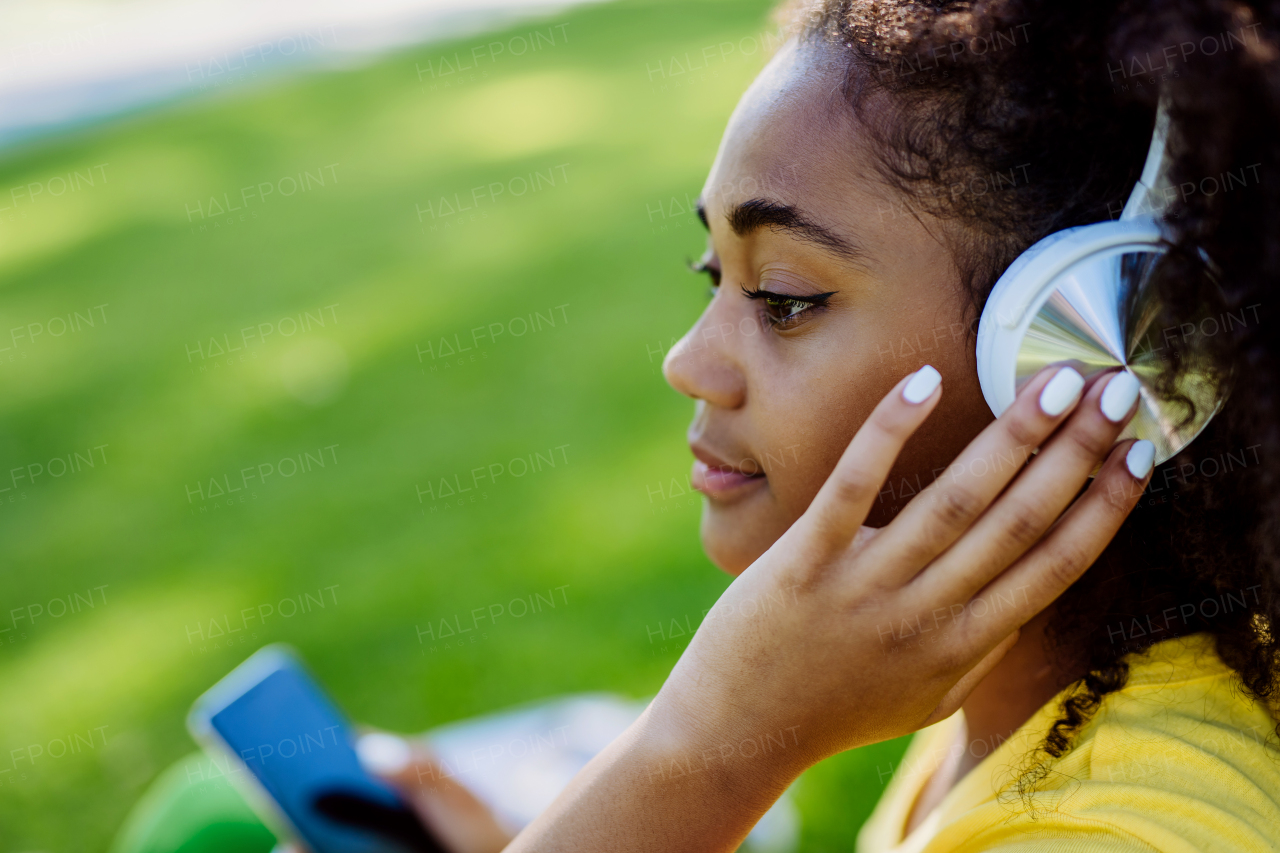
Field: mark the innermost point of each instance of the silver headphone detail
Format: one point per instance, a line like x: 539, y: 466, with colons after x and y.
x: 1082, y: 296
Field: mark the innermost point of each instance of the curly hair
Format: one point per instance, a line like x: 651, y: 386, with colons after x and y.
x: 1011, y: 119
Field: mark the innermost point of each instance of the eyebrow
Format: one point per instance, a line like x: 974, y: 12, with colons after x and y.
x: 757, y: 213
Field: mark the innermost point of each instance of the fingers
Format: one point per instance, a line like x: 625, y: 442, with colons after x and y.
x: 1057, y: 561
x: 410, y: 765
x: 846, y: 497
x: 455, y: 815
x: 389, y: 756
x: 935, y: 518
x: 1039, y: 495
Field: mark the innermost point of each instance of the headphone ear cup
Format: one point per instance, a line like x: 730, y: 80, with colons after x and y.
x: 1085, y: 257
x: 1017, y: 286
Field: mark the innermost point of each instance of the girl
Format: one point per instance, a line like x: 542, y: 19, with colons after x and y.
x: 1115, y: 674
x: 1091, y: 663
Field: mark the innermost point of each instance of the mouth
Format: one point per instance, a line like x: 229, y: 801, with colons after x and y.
x: 717, y: 479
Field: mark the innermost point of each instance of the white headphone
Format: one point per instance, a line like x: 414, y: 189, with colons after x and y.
x: 1068, y: 298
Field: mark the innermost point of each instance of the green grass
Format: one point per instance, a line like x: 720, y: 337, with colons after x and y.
x: 160, y: 561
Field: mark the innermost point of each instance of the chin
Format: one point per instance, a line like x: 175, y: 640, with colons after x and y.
x: 734, y: 537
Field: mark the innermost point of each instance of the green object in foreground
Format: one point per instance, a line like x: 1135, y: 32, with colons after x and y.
x: 179, y: 814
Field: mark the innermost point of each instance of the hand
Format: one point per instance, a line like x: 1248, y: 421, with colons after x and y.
x: 811, y: 650
x: 819, y: 642
x: 458, y: 819
x: 452, y: 814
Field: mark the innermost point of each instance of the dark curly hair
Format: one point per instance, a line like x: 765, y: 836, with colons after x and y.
x: 1040, y: 113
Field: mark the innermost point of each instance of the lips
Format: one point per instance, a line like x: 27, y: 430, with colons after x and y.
x: 716, y: 478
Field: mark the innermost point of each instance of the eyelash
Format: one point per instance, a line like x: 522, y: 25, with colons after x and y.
x: 771, y: 300
x: 710, y: 271
x: 799, y: 305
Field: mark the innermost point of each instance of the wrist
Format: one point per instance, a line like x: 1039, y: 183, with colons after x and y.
x: 671, y: 782
x: 746, y: 760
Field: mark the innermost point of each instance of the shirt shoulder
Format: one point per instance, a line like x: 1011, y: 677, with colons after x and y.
x: 1180, y: 759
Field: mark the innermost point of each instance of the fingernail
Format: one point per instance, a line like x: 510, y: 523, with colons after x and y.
x: 1140, y: 458
x: 1119, y: 396
x: 921, y: 385
x: 382, y: 753
x: 1061, y: 392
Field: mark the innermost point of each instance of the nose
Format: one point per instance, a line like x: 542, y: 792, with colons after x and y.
x: 704, y: 363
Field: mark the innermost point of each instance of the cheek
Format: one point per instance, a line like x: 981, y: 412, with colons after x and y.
x: 797, y: 430
x: 805, y: 428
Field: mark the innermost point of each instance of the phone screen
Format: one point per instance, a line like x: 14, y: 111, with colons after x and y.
x: 297, y: 744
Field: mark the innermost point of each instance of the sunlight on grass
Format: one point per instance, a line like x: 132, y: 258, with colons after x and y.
x: 528, y: 114
x: 190, y: 399
x: 74, y: 678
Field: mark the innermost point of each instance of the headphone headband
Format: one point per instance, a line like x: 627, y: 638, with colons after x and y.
x: 1148, y: 196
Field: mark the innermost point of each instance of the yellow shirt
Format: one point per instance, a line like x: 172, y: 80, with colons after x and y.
x: 1178, y: 761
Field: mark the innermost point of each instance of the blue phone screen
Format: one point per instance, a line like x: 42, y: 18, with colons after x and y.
x: 299, y: 746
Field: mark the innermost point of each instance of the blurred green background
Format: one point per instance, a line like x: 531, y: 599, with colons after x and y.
x: 627, y: 130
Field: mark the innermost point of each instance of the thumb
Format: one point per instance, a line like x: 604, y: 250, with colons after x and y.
x: 409, y: 765
x: 462, y: 821
x: 394, y: 758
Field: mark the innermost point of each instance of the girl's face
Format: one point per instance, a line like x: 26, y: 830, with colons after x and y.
x: 828, y: 291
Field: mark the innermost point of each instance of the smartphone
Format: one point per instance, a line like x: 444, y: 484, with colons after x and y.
x: 272, y: 718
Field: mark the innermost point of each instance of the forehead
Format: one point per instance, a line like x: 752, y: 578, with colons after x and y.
x: 793, y: 138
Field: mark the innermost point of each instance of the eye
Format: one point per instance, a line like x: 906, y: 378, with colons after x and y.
x: 784, y: 311
x: 703, y: 265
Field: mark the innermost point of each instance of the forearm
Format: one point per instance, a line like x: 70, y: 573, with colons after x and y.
x: 670, y: 787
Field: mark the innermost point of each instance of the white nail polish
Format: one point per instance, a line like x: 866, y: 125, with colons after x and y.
x: 1140, y: 458
x: 921, y: 385
x: 1119, y: 396
x: 1061, y: 392
x: 382, y: 753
